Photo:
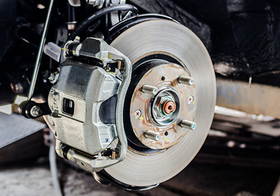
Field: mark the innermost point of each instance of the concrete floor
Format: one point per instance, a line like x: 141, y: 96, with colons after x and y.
x: 34, y: 178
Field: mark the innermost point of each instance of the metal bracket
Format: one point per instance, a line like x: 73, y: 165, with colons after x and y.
x: 78, y: 131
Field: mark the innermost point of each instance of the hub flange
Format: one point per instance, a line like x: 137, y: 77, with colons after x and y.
x: 163, y: 112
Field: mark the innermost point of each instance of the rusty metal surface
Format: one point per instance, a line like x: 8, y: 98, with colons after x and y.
x: 250, y: 98
x: 142, y: 101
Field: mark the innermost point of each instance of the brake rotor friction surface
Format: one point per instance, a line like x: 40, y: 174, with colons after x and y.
x: 163, y: 36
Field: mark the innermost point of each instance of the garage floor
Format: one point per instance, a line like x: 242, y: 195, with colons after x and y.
x: 34, y: 178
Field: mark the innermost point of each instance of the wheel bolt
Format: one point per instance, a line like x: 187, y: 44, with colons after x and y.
x: 185, y: 80
x: 138, y: 113
x: 149, y: 134
x: 190, y: 99
x: 188, y: 124
x: 149, y: 89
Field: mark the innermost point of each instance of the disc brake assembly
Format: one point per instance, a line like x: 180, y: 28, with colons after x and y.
x: 137, y: 111
x: 87, y: 104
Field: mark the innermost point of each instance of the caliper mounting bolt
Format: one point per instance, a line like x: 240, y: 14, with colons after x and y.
x: 185, y: 80
x: 35, y: 111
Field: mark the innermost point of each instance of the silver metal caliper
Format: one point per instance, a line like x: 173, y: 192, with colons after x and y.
x: 87, y: 104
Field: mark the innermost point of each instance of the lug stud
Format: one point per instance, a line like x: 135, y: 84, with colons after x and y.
x: 188, y: 124
x: 149, y: 89
x: 149, y: 134
x: 185, y: 80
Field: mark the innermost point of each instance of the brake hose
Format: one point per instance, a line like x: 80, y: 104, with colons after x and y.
x: 98, y: 14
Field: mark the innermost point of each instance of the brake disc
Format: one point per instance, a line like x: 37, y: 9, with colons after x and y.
x: 170, y: 103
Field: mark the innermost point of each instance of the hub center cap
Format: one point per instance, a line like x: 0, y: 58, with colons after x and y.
x: 169, y: 107
x: 165, y: 106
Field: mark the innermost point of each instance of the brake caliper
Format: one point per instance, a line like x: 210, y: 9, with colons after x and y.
x: 87, y: 104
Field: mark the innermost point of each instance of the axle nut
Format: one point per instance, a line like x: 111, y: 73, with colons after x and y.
x: 169, y: 106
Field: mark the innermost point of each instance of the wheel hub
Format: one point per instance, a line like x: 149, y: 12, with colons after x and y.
x: 156, y: 118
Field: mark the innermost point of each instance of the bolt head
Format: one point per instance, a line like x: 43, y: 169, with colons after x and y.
x: 190, y: 99
x: 138, y: 113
